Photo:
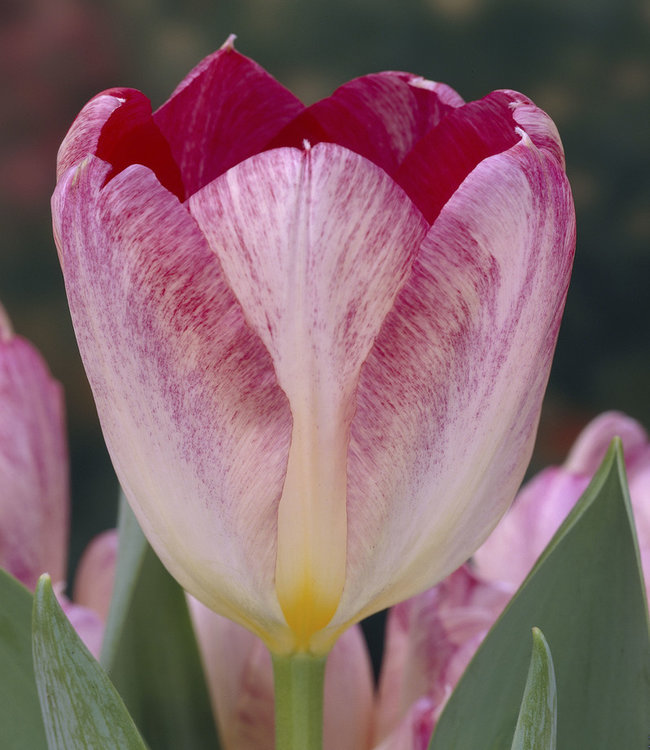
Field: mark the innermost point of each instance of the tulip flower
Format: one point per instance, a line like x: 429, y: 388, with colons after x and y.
x: 544, y: 502
x: 34, y: 492
x: 317, y: 337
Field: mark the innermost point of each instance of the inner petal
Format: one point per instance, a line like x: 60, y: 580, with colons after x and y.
x: 315, y: 244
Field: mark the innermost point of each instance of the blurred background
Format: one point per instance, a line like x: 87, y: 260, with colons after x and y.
x: 586, y: 62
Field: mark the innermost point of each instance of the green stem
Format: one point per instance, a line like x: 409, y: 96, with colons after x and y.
x: 299, y: 701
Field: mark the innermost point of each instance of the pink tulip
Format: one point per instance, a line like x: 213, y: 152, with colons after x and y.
x: 317, y: 337
x: 430, y: 639
x: 34, y: 492
x: 33, y: 464
x: 541, y: 506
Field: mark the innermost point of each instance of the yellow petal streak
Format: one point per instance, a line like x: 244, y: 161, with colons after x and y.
x: 312, y: 521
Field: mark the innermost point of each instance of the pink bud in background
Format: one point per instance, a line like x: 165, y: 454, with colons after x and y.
x: 430, y: 639
x: 543, y: 503
x: 34, y: 492
x: 317, y: 337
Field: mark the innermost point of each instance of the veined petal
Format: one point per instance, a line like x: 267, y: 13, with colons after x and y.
x: 83, y: 136
x: 379, y: 116
x: 194, y: 420
x: 225, y: 110
x: 34, y: 493
x: 315, y: 245
x: 450, y: 394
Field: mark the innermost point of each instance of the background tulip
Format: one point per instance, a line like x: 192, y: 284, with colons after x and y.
x: 544, y: 502
x: 34, y: 493
x: 317, y: 337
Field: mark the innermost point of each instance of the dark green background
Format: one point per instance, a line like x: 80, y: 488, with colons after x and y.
x: 586, y: 62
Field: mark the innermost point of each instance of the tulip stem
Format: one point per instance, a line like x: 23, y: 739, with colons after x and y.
x: 299, y: 682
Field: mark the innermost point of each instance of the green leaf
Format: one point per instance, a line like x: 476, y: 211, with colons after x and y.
x: 132, y: 546
x: 537, y: 722
x: 81, y: 709
x: 21, y: 727
x: 586, y: 594
x: 157, y: 666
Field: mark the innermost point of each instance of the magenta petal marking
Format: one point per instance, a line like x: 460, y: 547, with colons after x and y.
x: 227, y: 109
x: 379, y: 116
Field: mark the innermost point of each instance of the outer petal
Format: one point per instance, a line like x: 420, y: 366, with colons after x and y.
x: 430, y: 639
x: 380, y: 116
x: 225, y: 110
x: 315, y: 244
x: 195, y: 423
x: 240, y: 678
x: 93, y: 583
x: 449, y: 398
x: 34, y: 492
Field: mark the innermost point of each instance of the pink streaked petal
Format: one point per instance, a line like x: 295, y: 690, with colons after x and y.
x: 440, y: 161
x: 83, y: 136
x: 379, y: 116
x: 315, y: 245
x: 93, y: 583
x: 34, y: 492
x: 240, y: 678
x: 430, y: 639
x: 591, y: 446
x: 538, y: 125
x: 195, y: 423
x: 227, y: 109
x: 87, y: 623
x: 450, y: 395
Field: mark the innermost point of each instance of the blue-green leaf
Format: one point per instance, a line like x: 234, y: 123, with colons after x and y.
x: 21, y: 727
x: 131, y: 552
x: 81, y: 709
x: 586, y: 594
x: 537, y: 722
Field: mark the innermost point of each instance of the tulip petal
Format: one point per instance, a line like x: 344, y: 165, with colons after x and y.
x: 430, y: 639
x: 83, y: 136
x: 195, y: 423
x: 93, y: 583
x: 315, y: 245
x: 379, y: 116
x: 34, y: 494
x: 225, y: 110
x: 433, y: 170
x: 449, y: 397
